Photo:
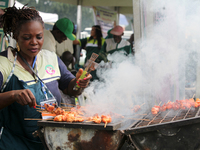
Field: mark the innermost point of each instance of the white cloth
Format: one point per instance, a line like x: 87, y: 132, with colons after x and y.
x: 49, y: 41
x: 66, y: 45
x: 112, y: 45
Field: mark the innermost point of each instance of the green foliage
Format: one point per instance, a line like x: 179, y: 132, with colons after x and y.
x: 63, y: 10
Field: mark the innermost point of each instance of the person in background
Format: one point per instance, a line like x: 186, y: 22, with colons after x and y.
x: 1, y: 13
x: 66, y: 45
x: 115, y: 43
x: 29, y: 75
x: 92, y: 44
x: 109, y: 35
x: 62, y: 30
x: 131, y: 40
x: 69, y: 61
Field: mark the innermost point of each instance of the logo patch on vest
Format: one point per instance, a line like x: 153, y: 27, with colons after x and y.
x: 49, y: 69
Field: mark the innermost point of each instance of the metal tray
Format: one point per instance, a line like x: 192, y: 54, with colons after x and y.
x: 82, y: 125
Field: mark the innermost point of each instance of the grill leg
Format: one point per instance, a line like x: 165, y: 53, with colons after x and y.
x: 134, y: 143
x: 127, y: 144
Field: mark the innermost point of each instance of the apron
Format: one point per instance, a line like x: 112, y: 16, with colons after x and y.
x: 17, y: 132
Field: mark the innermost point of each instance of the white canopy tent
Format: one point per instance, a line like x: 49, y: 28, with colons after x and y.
x: 47, y: 17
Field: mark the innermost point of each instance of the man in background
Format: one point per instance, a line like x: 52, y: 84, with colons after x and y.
x: 62, y: 30
x: 115, y: 43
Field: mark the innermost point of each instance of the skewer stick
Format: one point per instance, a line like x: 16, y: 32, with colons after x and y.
x: 193, y: 96
x: 142, y: 104
x: 44, y: 111
x: 153, y: 118
x: 88, y: 121
x: 36, y: 119
x: 135, y: 115
x: 164, y: 117
x: 141, y: 114
x: 68, y: 110
x: 66, y: 107
x: 187, y: 113
x: 139, y: 119
x: 105, y: 124
x: 40, y: 111
x: 176, y: 115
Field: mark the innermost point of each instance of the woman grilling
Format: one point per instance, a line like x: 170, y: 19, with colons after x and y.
x: 28, y: 76
x: 92, y: 44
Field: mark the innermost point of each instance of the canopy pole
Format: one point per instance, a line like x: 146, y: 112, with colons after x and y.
x: 198, y: 79
x: 12, y: 41
x: 78, y: 35
x: 137, y: 22
x: 117, y: 21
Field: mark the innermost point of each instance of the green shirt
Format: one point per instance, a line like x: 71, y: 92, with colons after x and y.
x: 90, y: 46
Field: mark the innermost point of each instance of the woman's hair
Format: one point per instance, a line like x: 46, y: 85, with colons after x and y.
x: 98, y: 35
x: 13, y: 19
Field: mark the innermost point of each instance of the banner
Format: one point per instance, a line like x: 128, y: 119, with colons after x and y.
x: 3, y: 5
x: 105, y: 18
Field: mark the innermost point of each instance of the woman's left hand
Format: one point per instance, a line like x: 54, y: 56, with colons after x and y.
x: 83, y: 83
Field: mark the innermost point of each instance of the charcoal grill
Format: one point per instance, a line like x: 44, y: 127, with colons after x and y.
x: 81, y: 136
x: 169, y: 130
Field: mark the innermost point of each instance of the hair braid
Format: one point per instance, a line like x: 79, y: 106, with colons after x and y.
x: 13, y: 18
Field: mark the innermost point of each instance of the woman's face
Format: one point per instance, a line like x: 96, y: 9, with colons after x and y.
x: 30, y: 39
x: 93, y: 32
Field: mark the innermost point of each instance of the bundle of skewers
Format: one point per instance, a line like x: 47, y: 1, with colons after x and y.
x: 177, y: 105
x: 90, y: 65
x: 72, y: 114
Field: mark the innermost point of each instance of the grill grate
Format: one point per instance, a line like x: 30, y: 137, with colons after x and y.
x: 169, y: 118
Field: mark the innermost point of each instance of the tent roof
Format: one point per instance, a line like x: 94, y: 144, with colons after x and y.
x: 123, y: 6
x: 46, y: 17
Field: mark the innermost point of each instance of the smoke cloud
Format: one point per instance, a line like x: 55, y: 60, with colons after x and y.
x: 163, y: 67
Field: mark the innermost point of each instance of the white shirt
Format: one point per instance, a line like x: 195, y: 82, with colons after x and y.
x: 66, y: 45
x: 49, y: 41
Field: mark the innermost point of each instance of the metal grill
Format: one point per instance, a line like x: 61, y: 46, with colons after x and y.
x: 167, y: 119
x: 111, y: 126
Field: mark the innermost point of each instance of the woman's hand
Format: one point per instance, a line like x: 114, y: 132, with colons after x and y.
x: 25, y: 97
x: 83, y: 83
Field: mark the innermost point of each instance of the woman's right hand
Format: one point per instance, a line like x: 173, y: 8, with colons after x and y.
x: 25, y: 97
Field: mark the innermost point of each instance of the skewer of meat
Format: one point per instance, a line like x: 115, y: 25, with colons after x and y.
x: 155, y: 109
x: 178, y: 104
x: 58, y: 118
x: 106, y: 119
x: 136, y: 108
x: 96, y: 119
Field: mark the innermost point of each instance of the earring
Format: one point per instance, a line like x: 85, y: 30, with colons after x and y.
x: 18, y: 48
